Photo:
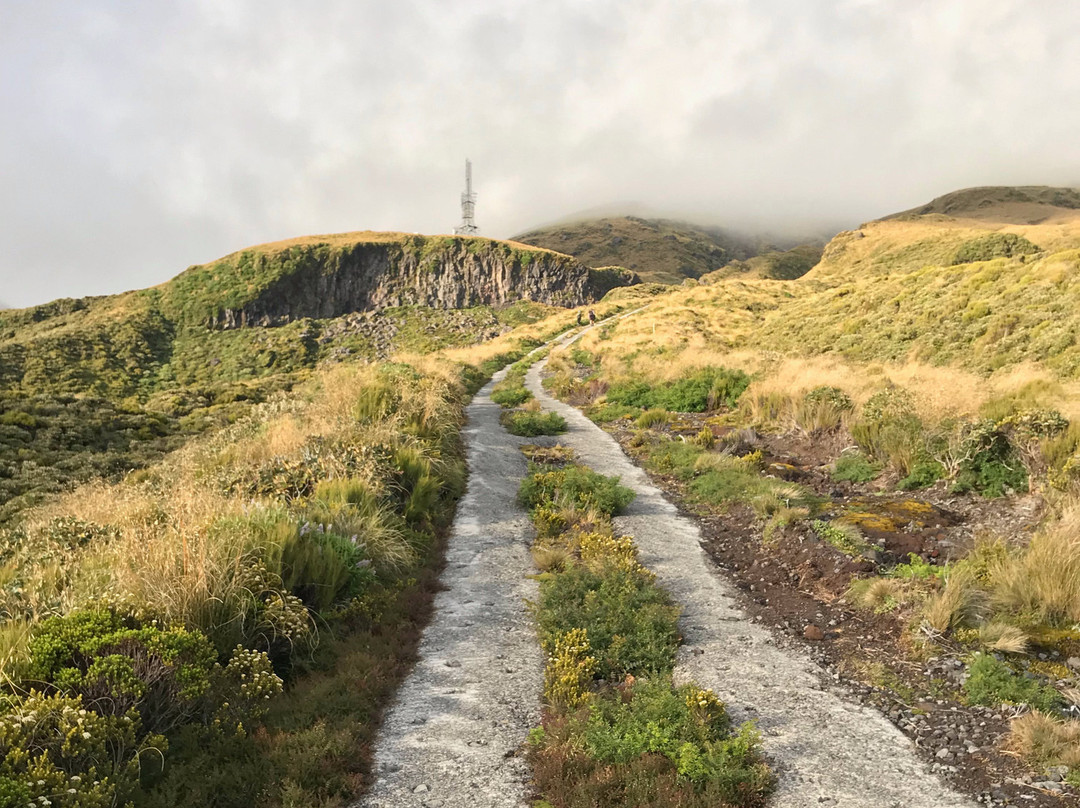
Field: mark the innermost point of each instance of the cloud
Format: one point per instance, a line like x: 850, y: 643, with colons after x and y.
x: 139, y: 139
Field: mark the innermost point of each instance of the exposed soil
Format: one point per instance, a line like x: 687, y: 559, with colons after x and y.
x: 796, y: 584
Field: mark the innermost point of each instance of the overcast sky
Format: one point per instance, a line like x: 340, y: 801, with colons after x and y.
x: 139, y: 138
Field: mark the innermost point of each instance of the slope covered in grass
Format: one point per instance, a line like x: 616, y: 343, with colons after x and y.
x: 658, y: 250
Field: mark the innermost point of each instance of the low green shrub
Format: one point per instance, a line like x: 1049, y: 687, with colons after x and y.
x: 575, y: 486
x: 856, y: 468
x: 511, y: 396
x: 705, y: 389
x: 511, y: 391
x: 992, y: 683
x: 688, y: 726
x: 532, y: 424
x: 844, y: 537
x: 606, y: 413
x: 990, y: 466
x: 921, y: 474
x: 995, y: 245
x: 631, y: 623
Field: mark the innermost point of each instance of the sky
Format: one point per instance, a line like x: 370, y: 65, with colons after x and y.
x: 137, y: 139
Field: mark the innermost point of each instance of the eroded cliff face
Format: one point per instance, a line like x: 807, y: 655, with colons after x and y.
x: 323, y: 282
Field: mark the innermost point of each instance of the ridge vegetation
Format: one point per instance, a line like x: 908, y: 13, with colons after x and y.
x: 658, y: 250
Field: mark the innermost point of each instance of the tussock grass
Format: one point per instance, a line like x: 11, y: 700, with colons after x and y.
x: 1044, y: 581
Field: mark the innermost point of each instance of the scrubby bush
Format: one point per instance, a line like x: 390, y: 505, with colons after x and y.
x: 705, y: 389
x: 533, y: 424
x: 888, y: 429
x: 575, y: 486
x: 855, y: 467
x: 994, y: 245
x: 992, y: 683
x: 823, y: 409
x: 606, y: 413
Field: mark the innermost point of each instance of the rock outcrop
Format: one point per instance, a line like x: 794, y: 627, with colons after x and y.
x: 324, y: 281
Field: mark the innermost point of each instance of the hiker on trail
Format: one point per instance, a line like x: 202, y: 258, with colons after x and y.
x: 580, y: 321
x: 592, y: 317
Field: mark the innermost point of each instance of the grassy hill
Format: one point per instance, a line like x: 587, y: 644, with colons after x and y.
x: 658, y: 250
x: 101, y: 385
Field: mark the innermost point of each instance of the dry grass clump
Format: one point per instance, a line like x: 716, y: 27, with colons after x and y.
x: 956, y: 605
x: 1046, y: 739
x: 1000, y: 636
x: 1044, y: 581
x: 877, y: 594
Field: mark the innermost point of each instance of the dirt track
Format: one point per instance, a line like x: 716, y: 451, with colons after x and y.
x: 451, y: 737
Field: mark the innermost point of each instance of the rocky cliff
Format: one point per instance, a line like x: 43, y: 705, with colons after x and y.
x: 278, y: 284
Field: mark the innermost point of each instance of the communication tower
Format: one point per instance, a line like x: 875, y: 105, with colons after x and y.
x: 468, y: 206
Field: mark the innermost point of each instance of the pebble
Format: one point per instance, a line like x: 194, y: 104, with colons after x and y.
x: 423, y: 788
x: 812, y: 632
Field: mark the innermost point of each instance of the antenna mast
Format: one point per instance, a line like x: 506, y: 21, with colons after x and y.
x: 468, y: 206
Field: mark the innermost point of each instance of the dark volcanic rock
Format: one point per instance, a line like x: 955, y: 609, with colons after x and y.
x: 322, y: 282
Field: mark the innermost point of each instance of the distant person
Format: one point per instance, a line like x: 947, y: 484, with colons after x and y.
x: 592, y: 317
x: 580, y: 319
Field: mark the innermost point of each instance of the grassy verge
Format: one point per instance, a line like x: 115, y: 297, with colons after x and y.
x: 616, y: 731
x: 159, y: 620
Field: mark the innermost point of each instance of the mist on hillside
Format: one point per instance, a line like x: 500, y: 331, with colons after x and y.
x: 140, y: 140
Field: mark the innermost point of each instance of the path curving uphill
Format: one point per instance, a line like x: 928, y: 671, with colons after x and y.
x: 450, y: 740
x: 825, y: 749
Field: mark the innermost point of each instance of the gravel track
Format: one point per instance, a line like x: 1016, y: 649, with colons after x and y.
x: 450, y: 738
x: 826, y: 749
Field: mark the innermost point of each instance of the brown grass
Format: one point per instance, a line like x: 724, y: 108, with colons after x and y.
x: 1045, y: 580
x: 1047, y: 740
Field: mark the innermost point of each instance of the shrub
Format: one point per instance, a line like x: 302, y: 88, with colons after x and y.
x: 992, y: 683
x: 118, y: 665
x: 705, y: 389
x: 54, y: 751
x: 823, y: 409
x: 577, y: 487
x: 889, y: 430
x: 511, y: 391
x: 649, y: 744
x: 651, y: 418
x: 533, y: 424
x: 995, y: 245
x: 606, y: 413
x: 687, y: 725
x: 630, y: 623
x: 921, y: 474
x: 705, y: 438
x: 570, y: 669
x: 856, y: 468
